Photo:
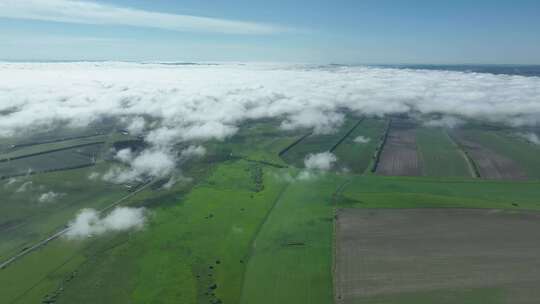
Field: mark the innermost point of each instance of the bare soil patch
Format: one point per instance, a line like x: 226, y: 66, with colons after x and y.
x: 390, y: 253
x: 400, y: 154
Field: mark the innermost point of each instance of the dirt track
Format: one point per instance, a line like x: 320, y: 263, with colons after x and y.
x: 383, y: 255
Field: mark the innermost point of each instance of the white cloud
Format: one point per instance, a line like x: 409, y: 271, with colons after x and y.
x: 362, y: 139
x: 192, y: 151
x: 93, y: 176
x: 49, y: 197
x: 24, y: 187
x: 124, y: 155
x: 445, y: 121
x: 196, y: 103
x: 88, y: 12
x: 136, y: 126
x: 10, y: 182
x: 530, y: 137
x: 89, y: 223
x: 320, y: 161
x: 149, y: 163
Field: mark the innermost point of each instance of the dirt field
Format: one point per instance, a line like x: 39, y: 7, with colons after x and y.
x: 490, y: 164
x: 451, y: 255
x: 399, y: 155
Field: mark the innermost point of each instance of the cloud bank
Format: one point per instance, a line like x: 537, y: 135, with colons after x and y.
x: 171, y: 104
x: 89, y: 223
x: 88, y: 12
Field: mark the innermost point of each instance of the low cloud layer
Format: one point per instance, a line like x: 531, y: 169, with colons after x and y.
x: 202, y: 102
x: 320, y: 161
x: 89, y: 223
x: 168, y: 104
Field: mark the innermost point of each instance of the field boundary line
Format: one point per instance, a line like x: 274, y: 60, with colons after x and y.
x: 473, y: 168
x: 296, y: 142
x: 378, y: 151
x: 342, y: 139
x: 334, y: 237
x: 253, y: 241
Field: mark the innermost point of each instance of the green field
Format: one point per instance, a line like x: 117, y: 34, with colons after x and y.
x: 441, y: 157
x: 399, y: 192
x: 293, y: 251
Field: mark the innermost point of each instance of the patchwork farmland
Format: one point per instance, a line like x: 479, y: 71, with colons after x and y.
x: 447, y: 214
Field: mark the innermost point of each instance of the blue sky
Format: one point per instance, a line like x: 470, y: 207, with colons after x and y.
x: 322, y: 31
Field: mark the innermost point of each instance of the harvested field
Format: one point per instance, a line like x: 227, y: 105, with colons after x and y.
x: 490, y: 164
x: 400, y: 155
x: 437, y: 256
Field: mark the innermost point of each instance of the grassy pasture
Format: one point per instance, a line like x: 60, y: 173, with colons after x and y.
x: 188, y: 246
x: 440, y: 156
x: 291, y: 258
x: 412, y: 192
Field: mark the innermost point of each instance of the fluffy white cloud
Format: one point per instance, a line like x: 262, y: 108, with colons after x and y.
x: 93, y: 176
x: 49, y: 197
x: 530, y: 137
x: 88, y: 222
x: 445, y: 121
x: 362, y: 139
x: 320, y: 161
x: 136, y: 126
x: 192, y: 151
x: 24, y: 187
x: 149, y: 163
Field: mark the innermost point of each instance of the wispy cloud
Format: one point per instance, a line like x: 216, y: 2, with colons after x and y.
x: 86, y: 12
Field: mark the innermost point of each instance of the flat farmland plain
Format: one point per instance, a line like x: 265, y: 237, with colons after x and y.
x: 399, y: 155
x: 437, y: 256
